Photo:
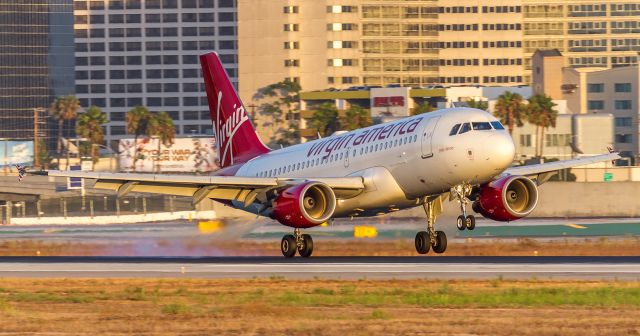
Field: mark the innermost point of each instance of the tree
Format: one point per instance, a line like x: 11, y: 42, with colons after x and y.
x: 423, y: 108
x: 510, y: 109
x: 478, y: 104
x: 137, y: 124
x: 62, y: 109
x: 355, y: 117
x: 89, y: 126
x: 541, y: 112
x: 325, y: 119
x: 281, y: 110
x: 161, y: 126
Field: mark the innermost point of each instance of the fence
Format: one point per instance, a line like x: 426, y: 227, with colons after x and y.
x: 94, y: 206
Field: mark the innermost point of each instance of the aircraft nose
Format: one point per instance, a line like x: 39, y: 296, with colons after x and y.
x: 500, y: 150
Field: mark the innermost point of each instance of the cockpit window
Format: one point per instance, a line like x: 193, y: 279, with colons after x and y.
x: 466, y: 127
x: 497, y: 125
x: 454, y: 130
x: 481, y: 126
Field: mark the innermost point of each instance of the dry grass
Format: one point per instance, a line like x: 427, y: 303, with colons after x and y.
x: 472, y: 247
x: 320, y: 307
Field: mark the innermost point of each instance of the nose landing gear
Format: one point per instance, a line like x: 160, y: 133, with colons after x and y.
x: 296, y: 242
x: 460, y: 193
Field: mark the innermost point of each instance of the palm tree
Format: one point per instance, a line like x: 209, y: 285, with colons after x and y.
x: 161, y: 126
x: 62, y: 109
x: 137, y: 124
x: 355, y: 117
x: 423, y: 108
x: 89, y: 126
x: 541, y: 113
x: 325, y: 119
x: 478, y: 104
x: 510, y: 109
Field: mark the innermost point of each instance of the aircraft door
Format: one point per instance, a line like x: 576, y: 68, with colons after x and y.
x: 346, y: 158
x: 427, y: 137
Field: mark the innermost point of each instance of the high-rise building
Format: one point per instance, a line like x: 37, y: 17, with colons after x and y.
x: 134, y: 52
x: 331, y: 43
x: 36, y: 61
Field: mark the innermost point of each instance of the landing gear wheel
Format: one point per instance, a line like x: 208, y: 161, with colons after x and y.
x: 306, y: 248
x: 441, y: 242
x: 470, y: 222
x: 288, y: 246
x: 422, y: 242
x: 461, y: 223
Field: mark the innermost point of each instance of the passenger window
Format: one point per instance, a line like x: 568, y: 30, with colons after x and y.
x: 497, y: 125
x: 415, y: 138
x: 466, y: 127
x: 481, y: 126
x: 454, y: 130
x: 341, y: 156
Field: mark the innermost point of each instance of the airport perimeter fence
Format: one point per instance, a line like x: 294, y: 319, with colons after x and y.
x: 94, y: 206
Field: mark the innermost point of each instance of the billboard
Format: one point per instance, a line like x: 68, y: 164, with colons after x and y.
x: 185, y: 155
x: 16, y: 153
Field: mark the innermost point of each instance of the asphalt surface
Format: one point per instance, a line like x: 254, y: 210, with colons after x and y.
x: 426, y: 267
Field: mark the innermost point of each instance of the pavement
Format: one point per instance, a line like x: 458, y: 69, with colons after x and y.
x: 347, y: 268
x: 269, y: 230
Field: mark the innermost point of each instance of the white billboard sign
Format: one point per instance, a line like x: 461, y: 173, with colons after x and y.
x: 185, y: 155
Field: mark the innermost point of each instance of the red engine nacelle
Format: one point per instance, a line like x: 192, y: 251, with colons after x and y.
x: 304, y: 205
x: 507, y: 199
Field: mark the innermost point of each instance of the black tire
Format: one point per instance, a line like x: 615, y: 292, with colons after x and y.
x: 461, y: 224
x: 306, y: 248
x: 288, y: 246
x: 422, y: 242
x: 471, y: 222
x: 441, y: 242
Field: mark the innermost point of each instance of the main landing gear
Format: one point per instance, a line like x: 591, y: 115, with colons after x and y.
x: 436, y: 240
x: 296, y: 242
x: 460, y: 193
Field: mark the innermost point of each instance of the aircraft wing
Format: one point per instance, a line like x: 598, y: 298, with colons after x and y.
x: 237, y: 188
x: 552, y: 167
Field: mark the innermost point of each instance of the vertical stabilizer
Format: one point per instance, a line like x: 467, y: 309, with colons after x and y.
x: 236, y: 138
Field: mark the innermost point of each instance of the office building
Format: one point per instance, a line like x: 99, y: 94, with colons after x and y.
x: 339, y: 44
x: 135, y: 52
x: 36, y: 63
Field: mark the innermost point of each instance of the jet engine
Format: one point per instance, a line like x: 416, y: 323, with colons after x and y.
x: 304, y: 205
x: 507, y: 199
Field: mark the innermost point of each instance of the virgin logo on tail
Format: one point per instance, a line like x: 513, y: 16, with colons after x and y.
x: 227, y: 128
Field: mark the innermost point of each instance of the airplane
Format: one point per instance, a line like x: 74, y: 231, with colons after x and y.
x: 463, y: 154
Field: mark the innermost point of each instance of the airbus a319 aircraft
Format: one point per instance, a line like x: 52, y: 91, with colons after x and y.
x: 463, y: 154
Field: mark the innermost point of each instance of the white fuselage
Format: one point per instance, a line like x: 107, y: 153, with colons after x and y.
x: 401, y: 161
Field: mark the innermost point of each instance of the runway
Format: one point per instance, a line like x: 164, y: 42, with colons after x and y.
x: 348, y: 268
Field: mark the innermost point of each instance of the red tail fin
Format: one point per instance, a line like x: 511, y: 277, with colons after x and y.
x: 236, y: 138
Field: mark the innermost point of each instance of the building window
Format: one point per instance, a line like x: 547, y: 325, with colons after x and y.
x: 292, y: 63
x: 290, y: 9
x: 341, y: 26
x: 525, y: 140
x: 292, y: 45
x: 595, y: 87
x: 624, y: 121
x: 595, y: 105
x: 117, y: 130
x: 623, y: 104
x: 342, y: 9
x: 291, y: 27
x: 624, y: 138
x: 623, y: 87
